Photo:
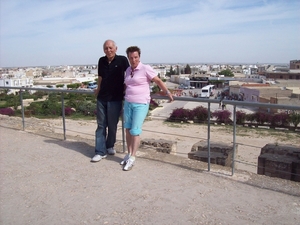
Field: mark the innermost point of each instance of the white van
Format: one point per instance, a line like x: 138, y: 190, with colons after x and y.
x: 207, y: 91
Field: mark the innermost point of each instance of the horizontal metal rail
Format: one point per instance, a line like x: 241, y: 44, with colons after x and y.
x: 156, y: 96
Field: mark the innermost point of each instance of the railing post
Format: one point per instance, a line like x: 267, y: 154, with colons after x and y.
x: 22, y: 109
x: 123, y: 135
x: 63, y: 114
x: 234, y: 135
x: 208, y: 138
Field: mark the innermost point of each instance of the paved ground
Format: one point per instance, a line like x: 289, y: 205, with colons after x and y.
x: 45, y: 180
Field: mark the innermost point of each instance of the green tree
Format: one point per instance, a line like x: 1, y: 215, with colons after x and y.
x: 187, y: 69
x: 87, y: 108
x: 226, y: 73
x: 294, y: 118
x: 171, y: 72
x: 155, y: 89
x: 74, y: 86
x: 75, y: 100
x: 51, y: 106
x: 44, y: 73
x: 13, y: 101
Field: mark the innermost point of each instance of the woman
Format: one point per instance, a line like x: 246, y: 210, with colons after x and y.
x: 137, y: 99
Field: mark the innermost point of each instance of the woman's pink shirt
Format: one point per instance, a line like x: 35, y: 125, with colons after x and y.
x: 138, y: 86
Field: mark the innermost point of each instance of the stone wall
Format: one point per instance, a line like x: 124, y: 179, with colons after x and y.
x: 280, y: 161
x: 220, y: 153
x: 161, y: 145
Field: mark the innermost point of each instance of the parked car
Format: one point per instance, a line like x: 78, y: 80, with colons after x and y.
x: 92, y: 85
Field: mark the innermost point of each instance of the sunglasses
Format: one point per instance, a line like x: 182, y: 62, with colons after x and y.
x: 131, y: 73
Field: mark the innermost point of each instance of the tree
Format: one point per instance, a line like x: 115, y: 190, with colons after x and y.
x: 226, y: 73
x: 44, y: 73
x: 14, y: 101
x: 171, y: 72
x: 294, y: 118
x: 187, y: 69
x: 155, y: 89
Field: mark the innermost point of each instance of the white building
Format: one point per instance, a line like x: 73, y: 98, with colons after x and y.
x: 161, y: 70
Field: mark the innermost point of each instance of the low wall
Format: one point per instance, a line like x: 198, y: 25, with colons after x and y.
x: 161, y: 145
x: 280, y: 161
x: 220, y: 153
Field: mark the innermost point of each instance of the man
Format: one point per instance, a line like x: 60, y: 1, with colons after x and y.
x: 110, y: 94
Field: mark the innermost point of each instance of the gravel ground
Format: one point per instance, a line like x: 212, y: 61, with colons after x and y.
x: 46, y: 180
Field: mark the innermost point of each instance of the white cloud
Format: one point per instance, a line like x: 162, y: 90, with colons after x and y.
x: 72, y: 32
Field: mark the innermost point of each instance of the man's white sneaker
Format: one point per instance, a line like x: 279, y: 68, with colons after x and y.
x: 129, y: 164
x: 111, y: 151
x: 97, y: 158
x: 127, y: 156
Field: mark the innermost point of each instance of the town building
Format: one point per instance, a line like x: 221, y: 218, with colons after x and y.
x: 295, y: 64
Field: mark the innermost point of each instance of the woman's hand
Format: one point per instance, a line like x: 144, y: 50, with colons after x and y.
x: 169, y: 94
x: 165, y: 93
x: 170, y: 97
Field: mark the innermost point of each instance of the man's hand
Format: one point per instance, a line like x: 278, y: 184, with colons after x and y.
x: 96, y: 91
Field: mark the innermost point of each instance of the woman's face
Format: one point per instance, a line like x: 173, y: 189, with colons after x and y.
x: 134, y: 59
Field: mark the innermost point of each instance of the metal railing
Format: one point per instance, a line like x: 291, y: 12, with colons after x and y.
x: 186, y: 99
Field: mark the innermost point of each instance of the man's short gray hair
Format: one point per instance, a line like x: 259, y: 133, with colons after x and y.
x: 108, y: 40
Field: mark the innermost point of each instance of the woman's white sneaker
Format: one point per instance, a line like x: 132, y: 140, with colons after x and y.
x: 129, y: 163
x: 123, y: 162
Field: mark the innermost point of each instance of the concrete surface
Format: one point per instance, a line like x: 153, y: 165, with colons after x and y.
x: 46, y: 180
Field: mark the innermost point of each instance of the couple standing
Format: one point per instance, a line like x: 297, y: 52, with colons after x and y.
x: 110, y: 95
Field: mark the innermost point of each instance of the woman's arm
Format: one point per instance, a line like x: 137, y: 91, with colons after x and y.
x: 163, y: 87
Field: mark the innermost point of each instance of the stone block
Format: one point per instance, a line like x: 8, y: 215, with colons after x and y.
x: 220, y: 153
x: 161, y: 145
x: 282, y: 161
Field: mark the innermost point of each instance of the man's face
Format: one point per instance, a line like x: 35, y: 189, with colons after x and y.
x: 110, y: 50
x: 134, y: 59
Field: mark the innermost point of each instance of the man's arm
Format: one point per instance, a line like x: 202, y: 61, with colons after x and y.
x: 98, y: 88
x: 96, y: 92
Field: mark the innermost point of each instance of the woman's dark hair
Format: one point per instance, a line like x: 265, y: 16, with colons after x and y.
x: 133, y: 49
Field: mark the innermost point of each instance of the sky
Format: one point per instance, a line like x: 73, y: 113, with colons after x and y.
x: 72, y: 32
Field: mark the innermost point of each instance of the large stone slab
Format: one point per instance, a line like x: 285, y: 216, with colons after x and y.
x: 281, y: 161
x: 161, y: 145
x: 220, y: 153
